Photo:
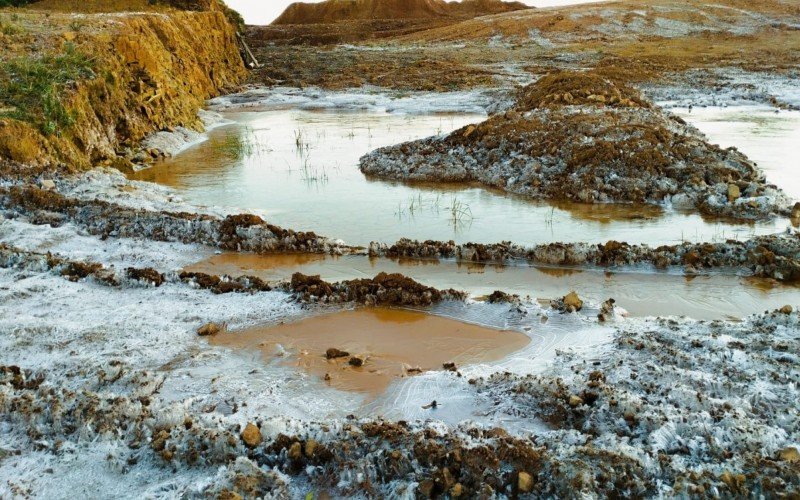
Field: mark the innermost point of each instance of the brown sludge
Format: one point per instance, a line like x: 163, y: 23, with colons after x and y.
x: 386, y: 342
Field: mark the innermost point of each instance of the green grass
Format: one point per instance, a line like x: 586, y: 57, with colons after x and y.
x: 31, y: 87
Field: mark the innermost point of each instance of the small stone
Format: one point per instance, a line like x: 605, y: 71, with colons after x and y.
x: 251, y: 435
x: 356, y: 361
x: 451, y: 367
x: 209, y: 329
x: 790, y: 454
x: 575, y: 401
x: 733, y: 193
x: 787, y: 309
x: 334, y: 353
x: 425, y: 488
x: 525, y: 482
x: 229, y: 495
x: 48, y: 185
x: 796, y: 211
x: 469, y: 131
x: 572, y: 302
x: 311, y: 447
x: 295, y: 451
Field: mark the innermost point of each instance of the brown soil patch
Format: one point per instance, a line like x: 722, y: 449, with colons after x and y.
x: 392, y: 343
x: 332, y: 11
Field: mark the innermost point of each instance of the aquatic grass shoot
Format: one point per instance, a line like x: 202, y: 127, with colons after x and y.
x: 238, y: 145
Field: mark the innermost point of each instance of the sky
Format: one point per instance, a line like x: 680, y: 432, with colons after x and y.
x: 265, y: 11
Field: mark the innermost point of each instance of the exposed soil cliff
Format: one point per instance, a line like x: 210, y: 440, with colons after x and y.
x: 80, y: 90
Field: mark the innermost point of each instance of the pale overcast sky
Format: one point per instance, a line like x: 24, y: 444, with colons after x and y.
x: 265, y: 11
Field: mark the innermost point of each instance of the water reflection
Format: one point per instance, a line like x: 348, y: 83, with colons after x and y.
x: 300, y: 169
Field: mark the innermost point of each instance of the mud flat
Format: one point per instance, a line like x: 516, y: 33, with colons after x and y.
x: 370, y: 348
x: 581, y: 137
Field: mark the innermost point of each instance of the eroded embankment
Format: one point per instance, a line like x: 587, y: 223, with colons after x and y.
x: 81, y: 90
x: 584, y: 138
x: 382, y: 290
x: 774, y: 256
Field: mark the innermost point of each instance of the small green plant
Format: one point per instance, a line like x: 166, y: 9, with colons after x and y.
x: 460, y: 212
x: 237, y: 146
x: 31, y: 87
x: 9, y: 27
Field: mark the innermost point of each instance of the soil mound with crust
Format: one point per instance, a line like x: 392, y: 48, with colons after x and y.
x: 332, y: 11
x: 579, y: 137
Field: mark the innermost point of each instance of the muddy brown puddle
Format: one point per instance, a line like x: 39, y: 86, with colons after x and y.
x: 641, y: 293
x: 393, y: 343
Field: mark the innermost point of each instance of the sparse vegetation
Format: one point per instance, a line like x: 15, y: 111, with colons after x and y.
x: 32, y: 88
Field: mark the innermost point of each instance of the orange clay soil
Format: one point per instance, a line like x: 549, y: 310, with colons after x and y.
x: 392, y: 344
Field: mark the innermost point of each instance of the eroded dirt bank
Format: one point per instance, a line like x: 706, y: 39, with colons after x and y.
x: 78, y: 90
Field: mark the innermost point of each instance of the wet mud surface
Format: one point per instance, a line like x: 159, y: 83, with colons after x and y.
x: 367, y: 349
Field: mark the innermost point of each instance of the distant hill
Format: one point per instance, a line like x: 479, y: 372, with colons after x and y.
x: 332, y: 11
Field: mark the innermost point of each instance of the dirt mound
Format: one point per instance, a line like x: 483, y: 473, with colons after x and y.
x: 607, y: 145
x: 332, y: 11
x: 578, y: 88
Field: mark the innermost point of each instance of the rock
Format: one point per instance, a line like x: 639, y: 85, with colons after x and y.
x: 524, y: 482
x: 311, y: 447
x: 796, y: 211
x: 572, y: 302
x: 334, y: 353
x: 295, y: 451
x: 733, y: 193
x: 425, y: 488
x: 787, y: 309
x: 432, y: 405
x: 48, y: 185
x: 682, y: 201
x: 209, y: 329
x: 790, y: 454
x: 356, y: 361
x: 575, y: 401
x: 451, y: 367
x: 607, y: 310
x: 251, y: 435
x: 469, y: 131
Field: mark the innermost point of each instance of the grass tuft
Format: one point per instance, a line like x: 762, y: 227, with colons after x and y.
x: 31, y: 87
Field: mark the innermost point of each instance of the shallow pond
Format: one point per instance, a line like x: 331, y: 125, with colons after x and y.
x: 376, y: 346
x: 299, y: 168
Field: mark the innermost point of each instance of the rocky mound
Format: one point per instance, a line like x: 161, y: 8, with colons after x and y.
x: 571, y: 88
x: 578, y: 137
x: 332, y: 11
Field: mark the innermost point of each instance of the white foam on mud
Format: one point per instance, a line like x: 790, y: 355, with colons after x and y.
x: 172, y: 142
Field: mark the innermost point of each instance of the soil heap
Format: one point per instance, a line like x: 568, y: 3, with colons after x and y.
x: 580, y: 137
x: 332, y: 11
